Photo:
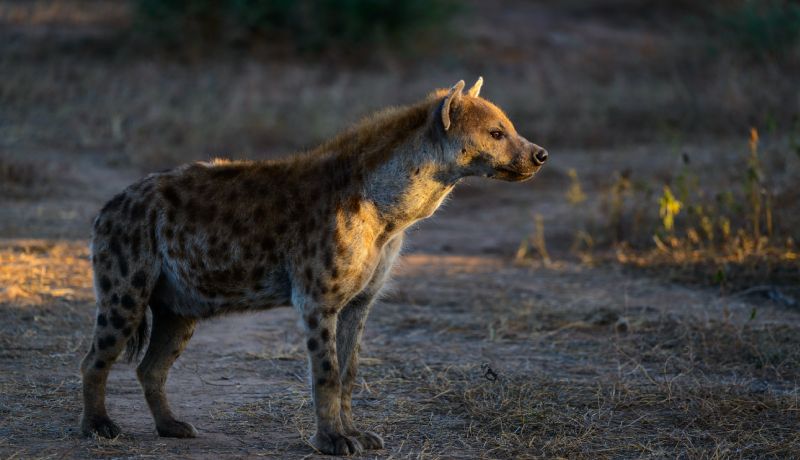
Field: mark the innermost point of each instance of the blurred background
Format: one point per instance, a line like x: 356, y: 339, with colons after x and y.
x: 649, y: 272
x: 645, y: 104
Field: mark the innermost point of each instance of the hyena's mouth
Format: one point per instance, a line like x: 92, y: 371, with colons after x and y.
x: 511, y: 175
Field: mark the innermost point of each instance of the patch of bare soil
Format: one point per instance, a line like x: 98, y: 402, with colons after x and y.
x: 468, y: 354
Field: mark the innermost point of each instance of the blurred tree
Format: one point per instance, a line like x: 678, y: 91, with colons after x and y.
x: 762, y: 28
x: 310, y: 25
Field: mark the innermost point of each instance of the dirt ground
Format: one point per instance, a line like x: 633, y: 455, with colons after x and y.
x: 469, y: 355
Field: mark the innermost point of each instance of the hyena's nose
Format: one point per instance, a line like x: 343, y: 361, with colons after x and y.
x: 539, y: 155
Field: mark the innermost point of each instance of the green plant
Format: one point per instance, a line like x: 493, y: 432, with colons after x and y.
x: 668, y: 208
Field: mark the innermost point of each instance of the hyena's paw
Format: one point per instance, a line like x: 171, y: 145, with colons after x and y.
x: 176, y: 429
x: 101, y: 426
x: 335, y: 444
x: 368, y: 439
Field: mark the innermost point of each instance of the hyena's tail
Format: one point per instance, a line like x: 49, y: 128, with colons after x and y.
x: 137, y: 341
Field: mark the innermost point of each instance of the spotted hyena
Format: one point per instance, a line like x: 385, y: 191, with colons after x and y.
x: 319, y: 231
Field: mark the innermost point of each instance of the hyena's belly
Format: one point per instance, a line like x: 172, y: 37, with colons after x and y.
x: 222, y: 290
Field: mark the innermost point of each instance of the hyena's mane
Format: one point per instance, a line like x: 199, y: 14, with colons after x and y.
x: 374, y: 138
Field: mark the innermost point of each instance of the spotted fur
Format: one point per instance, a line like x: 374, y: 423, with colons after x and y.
x: 319, y: 231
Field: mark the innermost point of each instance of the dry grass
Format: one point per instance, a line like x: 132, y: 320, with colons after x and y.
x: 672, y: 416
x: 36, y: 272
x: 449, y: 369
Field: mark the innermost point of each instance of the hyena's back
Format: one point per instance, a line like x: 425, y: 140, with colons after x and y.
x: 184, y: 240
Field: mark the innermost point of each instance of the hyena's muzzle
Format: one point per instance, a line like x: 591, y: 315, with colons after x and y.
x: 527, y: 161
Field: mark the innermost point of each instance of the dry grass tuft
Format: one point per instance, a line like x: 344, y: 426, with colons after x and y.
x: 537, y: 417
x: 23, y: 178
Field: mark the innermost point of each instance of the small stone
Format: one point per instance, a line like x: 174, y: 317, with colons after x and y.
x: 621, y: 326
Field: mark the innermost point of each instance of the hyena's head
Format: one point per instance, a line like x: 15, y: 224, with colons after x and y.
x: 482, y: 141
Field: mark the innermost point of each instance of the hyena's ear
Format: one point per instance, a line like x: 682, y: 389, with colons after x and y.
x: 453, y: 95
x: 476, y: 88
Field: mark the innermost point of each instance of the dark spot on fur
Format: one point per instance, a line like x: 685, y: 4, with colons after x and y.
x: 136, y: 241
x: 127, y: 331
x: 101, y: 320
x: 106, y: 342
x: 267, y: 243
x: 137, y: 211
x: 226, y: 172
x: 238, y: 227
x: 128, y: 302
x: 186, y: 182
x: 151, y: 224
x: 326, y: 365
x: 99, y: 364
x: 139, y: 279
x: 116, y: 249
x: 312, y: 322
x: 114, y: 299
x: 117, y: 320
x: 322, y: 381
x: 126, y: 204
x: 354, y: 204
x: 113, y: 204
x: 325, y: 335
x: 105, y: 284
x: 208, y: 213
x: 257, y: 273
x: 281, y: 228
x: 171, y: 195
x: 390, y: 227
x: 312, y: 344
x: 227, y: 216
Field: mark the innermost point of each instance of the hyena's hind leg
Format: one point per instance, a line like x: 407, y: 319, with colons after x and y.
x: 120, y: 321
x: 168, y: 339
x: 126, y: 266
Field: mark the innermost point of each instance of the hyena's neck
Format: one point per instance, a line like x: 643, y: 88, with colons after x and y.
x: 410, y: 185
x: 393, y: 159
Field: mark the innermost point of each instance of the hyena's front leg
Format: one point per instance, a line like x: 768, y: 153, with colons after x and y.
x: 350, y: 326
x: 348, y: 338
x: 326, y: 385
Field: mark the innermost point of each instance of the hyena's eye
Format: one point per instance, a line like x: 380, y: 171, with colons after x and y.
x: 497, y: 134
